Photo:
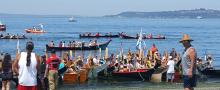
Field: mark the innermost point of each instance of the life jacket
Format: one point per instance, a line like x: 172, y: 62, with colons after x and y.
x: 54, y: 65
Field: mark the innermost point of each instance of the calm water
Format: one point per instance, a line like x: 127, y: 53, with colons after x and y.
x: 205, y: 32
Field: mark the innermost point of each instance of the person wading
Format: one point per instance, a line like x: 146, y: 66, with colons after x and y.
x: 52, y: 70
x: 26, y: 65
x: 188, y: 63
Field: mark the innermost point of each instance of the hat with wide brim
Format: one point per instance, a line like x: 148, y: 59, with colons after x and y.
x: 186, y: 37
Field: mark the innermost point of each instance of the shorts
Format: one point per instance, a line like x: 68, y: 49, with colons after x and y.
x: 20, y: 87
x: 7, y: 76
x: 189, y: 82
x: 170, y: 76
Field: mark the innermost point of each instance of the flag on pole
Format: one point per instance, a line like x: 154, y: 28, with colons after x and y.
x: 71, y: 54
x: 121, y: 52
x: 139, y: 42
x: 100, y: 53
x: 106, y: 53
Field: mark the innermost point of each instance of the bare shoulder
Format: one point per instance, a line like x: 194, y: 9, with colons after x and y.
x: 192, y: 50
x: 37, y: 57
x: 18, y: 57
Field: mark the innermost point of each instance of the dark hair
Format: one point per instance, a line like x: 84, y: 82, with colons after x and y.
x: 6, y: 64
x: 29, y: 48
x: 53, y: 51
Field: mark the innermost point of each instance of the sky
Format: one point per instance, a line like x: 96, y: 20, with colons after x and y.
x: 100, y: 7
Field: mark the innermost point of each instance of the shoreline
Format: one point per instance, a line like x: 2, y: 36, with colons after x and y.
x: 147, y: 86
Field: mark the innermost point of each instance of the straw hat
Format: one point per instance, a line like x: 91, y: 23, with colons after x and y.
x: 79, y: 58
x: 185, y: 38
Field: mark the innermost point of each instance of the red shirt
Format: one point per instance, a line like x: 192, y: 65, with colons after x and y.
x: 53, y: 62
x: 154, y: 49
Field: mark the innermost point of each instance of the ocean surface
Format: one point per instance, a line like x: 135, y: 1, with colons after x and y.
x: 204, y: 32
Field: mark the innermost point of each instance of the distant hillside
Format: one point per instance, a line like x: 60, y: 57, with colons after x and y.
x: 195, y: 13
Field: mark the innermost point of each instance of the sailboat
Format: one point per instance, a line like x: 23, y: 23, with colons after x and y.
x: 72, y: 19
x: 2, y: 26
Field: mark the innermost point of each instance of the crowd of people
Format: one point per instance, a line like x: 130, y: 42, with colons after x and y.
x: 45, y: 69
x: 73, y: 43
x: 29, y: 64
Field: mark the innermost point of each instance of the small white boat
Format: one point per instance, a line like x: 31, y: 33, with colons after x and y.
x: 72, y: 19
x: 199, y: 17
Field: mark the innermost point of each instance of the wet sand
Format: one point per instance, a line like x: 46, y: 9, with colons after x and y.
x: 137, y: 86
x: 134, y: 86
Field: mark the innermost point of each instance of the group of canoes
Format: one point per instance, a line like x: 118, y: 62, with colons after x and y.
x: 12, y: 36
x: 132, y: 66
x: 122, y: 35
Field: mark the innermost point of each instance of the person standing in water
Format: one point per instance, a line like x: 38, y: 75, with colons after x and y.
x: 52, y: 70
x: 188, y: 63
x: 26, y: 65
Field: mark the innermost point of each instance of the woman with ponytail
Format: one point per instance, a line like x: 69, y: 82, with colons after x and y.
x: 26, y: 66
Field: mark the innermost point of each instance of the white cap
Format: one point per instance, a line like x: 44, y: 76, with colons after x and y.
x: 170, y: 57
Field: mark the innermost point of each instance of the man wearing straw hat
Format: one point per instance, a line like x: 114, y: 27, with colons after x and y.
x: 188, y: 63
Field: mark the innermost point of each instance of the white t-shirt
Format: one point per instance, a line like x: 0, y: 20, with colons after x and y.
x: 95, y: 61
x: 139, y: 66
x: 170, y: 64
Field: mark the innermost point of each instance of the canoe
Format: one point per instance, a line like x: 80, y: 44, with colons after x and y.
x: 131, y: 37
x: 211, y: 72
x: 140, y: 74
x: 70, y: 78
x: 34, y: 31
x: 6, y: 37
x: 94, y: 47
x: 137, y: 75
x: 104, y: 36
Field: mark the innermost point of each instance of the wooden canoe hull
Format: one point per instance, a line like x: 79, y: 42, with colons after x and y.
x: 70, y: 78
x: 144, y: 75
x: 211, y: 72
x: 208, y: 71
